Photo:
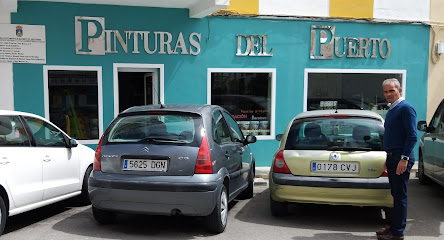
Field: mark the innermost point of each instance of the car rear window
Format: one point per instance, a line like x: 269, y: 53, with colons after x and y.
x: 167, y: 127
x: 329, y: 133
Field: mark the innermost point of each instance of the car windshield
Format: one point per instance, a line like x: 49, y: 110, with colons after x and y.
x: 336, y: 134
x: 159, y: 128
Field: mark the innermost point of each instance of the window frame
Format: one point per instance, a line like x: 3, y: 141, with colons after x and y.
x: 158, y: 82
x: 271, y: 71
x: 403, y: 72
x: 97, y: 69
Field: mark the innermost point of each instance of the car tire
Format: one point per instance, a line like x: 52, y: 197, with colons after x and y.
x: 249, y: 191
x: 278, y: 209
x: 2, y: 215
x: 103, y: 217
x: 84, y: 196
x: 217, y: 220
x: 423, y: 179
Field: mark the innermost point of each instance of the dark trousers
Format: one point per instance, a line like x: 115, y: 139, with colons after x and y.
x: 398, y: 186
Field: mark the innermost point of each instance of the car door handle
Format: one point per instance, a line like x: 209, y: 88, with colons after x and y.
x: 46, y: 159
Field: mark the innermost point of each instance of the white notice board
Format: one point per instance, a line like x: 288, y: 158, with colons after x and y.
x: 22, y: 43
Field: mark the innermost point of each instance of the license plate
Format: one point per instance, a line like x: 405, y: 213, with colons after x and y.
x: 145, y: 165
x: 335, y: 167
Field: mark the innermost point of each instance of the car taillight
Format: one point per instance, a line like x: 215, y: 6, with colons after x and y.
x: 203, y: 161
x: 384, y: 174
x: 96, y: 165
x: 279, y: 165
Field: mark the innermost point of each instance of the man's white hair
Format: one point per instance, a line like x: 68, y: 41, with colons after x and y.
x: 392, y: 80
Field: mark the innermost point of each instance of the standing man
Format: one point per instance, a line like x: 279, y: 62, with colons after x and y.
x: 399, y: 139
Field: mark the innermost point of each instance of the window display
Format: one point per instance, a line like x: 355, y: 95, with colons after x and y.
x: 247, y: 96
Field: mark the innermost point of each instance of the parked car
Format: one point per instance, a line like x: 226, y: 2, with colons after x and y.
x: 172, y: 160
x: 39, y: 164
x: 431, y: 148
x: 341, y: 103
x: 330, y: 157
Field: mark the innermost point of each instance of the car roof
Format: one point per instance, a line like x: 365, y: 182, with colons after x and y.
x: 16, y: 113
x: 192, y: 108
x: 332, y: 112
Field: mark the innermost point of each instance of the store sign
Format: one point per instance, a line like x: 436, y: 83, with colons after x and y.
x: 93, y: 39
x: 255, y: 45
x: 22, y: 43
x: 324, y: 44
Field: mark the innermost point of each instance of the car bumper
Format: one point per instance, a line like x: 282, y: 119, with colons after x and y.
x: 187, y: 195
x: 325, y: 190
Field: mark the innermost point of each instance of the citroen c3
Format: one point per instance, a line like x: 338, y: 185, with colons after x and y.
x: 172, y: 160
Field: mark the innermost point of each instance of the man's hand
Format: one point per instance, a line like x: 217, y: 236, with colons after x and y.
x: 402, y: 166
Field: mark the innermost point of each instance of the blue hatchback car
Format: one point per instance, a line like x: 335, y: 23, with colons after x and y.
x: 172, y: 160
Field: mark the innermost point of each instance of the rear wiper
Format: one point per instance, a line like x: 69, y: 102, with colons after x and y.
x: 338, y: 148
x: 162, y: 139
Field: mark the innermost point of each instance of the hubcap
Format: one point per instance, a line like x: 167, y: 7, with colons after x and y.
x: 223, y: 207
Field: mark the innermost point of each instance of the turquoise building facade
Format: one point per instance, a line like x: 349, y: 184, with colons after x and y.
x: 204, y: 51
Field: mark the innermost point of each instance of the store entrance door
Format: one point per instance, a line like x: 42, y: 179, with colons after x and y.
x: 137, y: 88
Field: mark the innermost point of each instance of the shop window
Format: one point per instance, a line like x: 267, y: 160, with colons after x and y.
x: 349, y: 89
x: 248, y: 94
x: 74, y: 103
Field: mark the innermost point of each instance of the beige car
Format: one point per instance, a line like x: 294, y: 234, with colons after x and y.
x: 331, y: 157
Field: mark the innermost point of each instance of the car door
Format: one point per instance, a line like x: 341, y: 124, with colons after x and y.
x: 439, y: 167
x: 20, y: 169
x: 60, y: 164
x: 241, y: 151
x: 431, y: 149
x: 231, y: 161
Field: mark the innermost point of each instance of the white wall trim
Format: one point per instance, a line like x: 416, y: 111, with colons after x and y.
x: 136, y: 67
x: 338, y: 70
x: 98, y: 69
x: 251, y: 70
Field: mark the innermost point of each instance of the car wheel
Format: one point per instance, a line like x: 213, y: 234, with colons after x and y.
x: 217, y: 220
x: 248, y: 192
x: 2, y: 215
x: 423, y: 179
x: 278, y: 209
x: 84, y: 196
x: 103, y: 216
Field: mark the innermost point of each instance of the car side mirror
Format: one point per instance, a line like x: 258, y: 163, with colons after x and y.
x: 422, y: 126
x: 250, y: 139
x: 73, y: 143
x: 279, y: 137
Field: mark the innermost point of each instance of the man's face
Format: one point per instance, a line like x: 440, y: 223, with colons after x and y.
x: 391, y: 93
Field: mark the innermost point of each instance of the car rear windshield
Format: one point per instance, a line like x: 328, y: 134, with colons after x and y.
x: 163, y: 128
x: 330, y: 133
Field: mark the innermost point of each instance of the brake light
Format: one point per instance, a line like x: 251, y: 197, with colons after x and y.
x: 279, y: 165
x: 384, y: 174
x: 336, y: 116
x: 203, y: 161
x: 97, y: 157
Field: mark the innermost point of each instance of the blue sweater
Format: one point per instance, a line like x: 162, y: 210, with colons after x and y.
x: 400, y: 129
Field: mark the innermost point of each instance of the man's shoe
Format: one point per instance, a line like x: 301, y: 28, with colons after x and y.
x: 390, y: 237
x: 383, y: 231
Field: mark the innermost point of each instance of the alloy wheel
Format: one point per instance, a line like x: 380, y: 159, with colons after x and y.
x: 223, y: 207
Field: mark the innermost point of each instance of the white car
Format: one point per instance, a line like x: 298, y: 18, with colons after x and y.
x: 39, y: 164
